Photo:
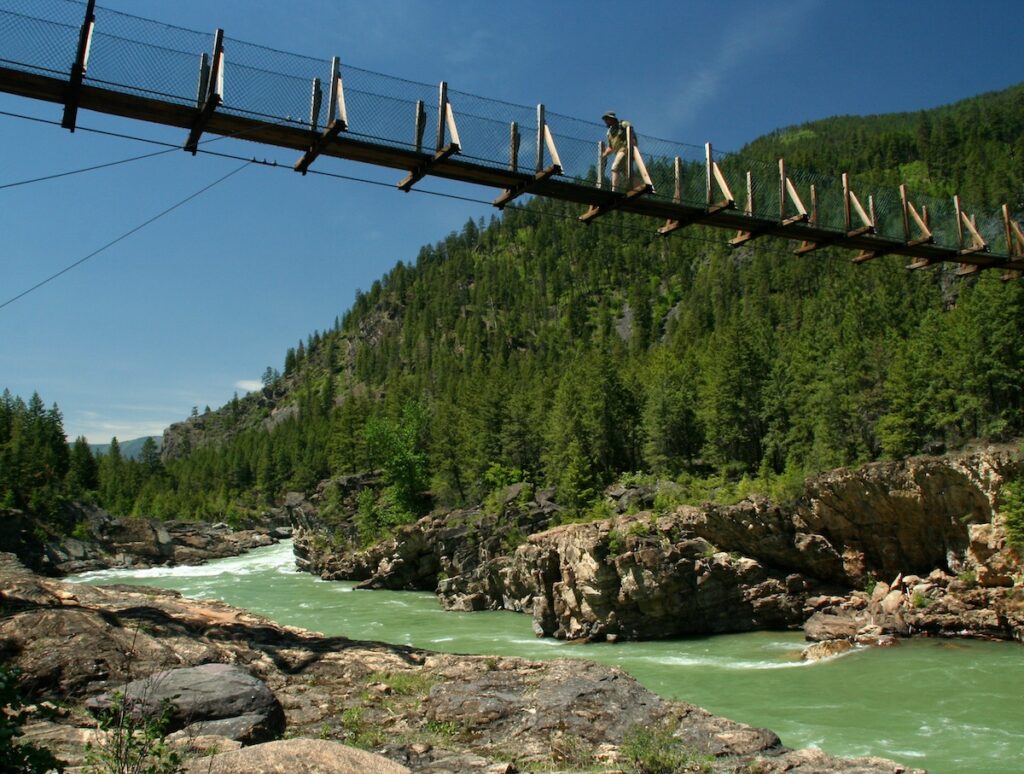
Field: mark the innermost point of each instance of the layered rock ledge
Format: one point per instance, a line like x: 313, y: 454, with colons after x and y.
x: 715, y: 569
x: 102, y: 541
x: 423, y: 711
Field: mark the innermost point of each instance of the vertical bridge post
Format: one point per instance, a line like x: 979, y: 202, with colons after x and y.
x: 713, y: 176
x: 540, y: 138
x: 442, y: 110
x: 513, y: 147
x: 420, y: 124
x: 212, y: 94
x: 677, y: 197
x: 445, y: 120
x: 1014, y: 245
x: 78, y: 68
x: 337, y: 117
x: 315, y: 100
x: 544, y: 140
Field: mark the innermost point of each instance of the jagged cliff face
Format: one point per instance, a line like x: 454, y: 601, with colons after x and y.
x: 636, y: 577
x: 714, y: 568
x: 880, y: 520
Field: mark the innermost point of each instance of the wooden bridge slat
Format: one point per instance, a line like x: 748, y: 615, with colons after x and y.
x: 135, y: 106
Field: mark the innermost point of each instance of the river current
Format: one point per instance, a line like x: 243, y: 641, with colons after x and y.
x: 949, y: 706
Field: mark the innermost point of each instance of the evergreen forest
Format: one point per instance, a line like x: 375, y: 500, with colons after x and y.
x: 533, y: 348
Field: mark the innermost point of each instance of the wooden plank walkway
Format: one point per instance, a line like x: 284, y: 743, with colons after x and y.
x: 449, y: 166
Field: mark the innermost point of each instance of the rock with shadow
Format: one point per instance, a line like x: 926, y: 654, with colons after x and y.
x: 220, y: 699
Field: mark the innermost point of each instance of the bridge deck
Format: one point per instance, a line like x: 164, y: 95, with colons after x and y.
x: 580, y: 186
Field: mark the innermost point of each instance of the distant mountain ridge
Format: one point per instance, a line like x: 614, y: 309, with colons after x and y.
x: 129, y: 449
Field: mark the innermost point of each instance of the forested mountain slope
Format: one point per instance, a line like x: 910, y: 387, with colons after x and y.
x: 974, y: 148
x: 536, y: 348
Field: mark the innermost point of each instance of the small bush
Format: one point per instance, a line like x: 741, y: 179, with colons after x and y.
x: 133, y: 742
x: 599, y: 511
x: 616, y: 542
x: 573, y: 751
x: 406, y: 683
x: 447, y: 728
x: 512, y: 540
x: 15, y: 757
x: 359, y: 731
x: 1012, y: 504
x: 655, y: 751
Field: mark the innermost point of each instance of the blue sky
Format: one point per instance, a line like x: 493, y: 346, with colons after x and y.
x: 194, y: 307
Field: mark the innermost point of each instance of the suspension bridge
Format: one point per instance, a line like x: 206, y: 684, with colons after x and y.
x: 82, y: 57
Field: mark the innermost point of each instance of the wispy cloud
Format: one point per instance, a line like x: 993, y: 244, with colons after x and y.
x: 765, y: 28
x: 249, y: 385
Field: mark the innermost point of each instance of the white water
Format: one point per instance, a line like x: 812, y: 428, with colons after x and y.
x: 950, y: 706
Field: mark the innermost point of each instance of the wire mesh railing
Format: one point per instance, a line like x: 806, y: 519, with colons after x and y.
x: 131, y: 54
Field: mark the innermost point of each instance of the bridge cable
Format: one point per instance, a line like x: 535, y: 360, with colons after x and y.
x: 168, y: 147
x: 622, y: 228
x: 125, y: 235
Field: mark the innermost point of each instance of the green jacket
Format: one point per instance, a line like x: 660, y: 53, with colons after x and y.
x: 617, y: 135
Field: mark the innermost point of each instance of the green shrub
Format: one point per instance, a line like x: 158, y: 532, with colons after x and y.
x: 513, y: 539
x: 132, y: 741
x: 616, y: 542
x: 1012, y: 503
x: 573, y: 751
x: 359, y: 730
x: 639, y: 529
x: 15, y: 757
x: 447, y: 728
x: 406, y: 683
x: 920, y: 601
x: 655, y: 751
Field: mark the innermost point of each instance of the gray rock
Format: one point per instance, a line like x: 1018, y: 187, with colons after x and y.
x: 247, y: 729
x: 210, y: 692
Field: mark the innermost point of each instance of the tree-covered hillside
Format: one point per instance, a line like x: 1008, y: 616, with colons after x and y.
x: 536, y: 348
x: 974, y: 148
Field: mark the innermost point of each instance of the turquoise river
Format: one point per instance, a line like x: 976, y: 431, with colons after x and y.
x: 945, y: 705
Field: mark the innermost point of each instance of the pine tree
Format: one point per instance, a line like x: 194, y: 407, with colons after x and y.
x: 83, y: 471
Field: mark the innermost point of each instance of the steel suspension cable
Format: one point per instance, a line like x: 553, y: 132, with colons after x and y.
x: 125, y: 235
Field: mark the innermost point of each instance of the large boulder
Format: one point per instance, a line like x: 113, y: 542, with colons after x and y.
x: 630, y: 577
x: 296, y: 756
x: 204, y: 695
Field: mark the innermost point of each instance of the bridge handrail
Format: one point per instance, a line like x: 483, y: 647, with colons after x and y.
x: 134, y: 55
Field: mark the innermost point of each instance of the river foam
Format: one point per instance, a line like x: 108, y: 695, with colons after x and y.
x: 947, y: 706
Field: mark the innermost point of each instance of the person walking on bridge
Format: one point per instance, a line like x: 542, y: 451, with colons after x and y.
x: 617, y: 144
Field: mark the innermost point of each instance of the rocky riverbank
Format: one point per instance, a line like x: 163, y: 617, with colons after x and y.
x: 924, y: 535
x: 414, y: 710
x: 83, y: 538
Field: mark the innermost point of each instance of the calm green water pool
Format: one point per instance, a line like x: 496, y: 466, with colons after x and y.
x: 946, y: 705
